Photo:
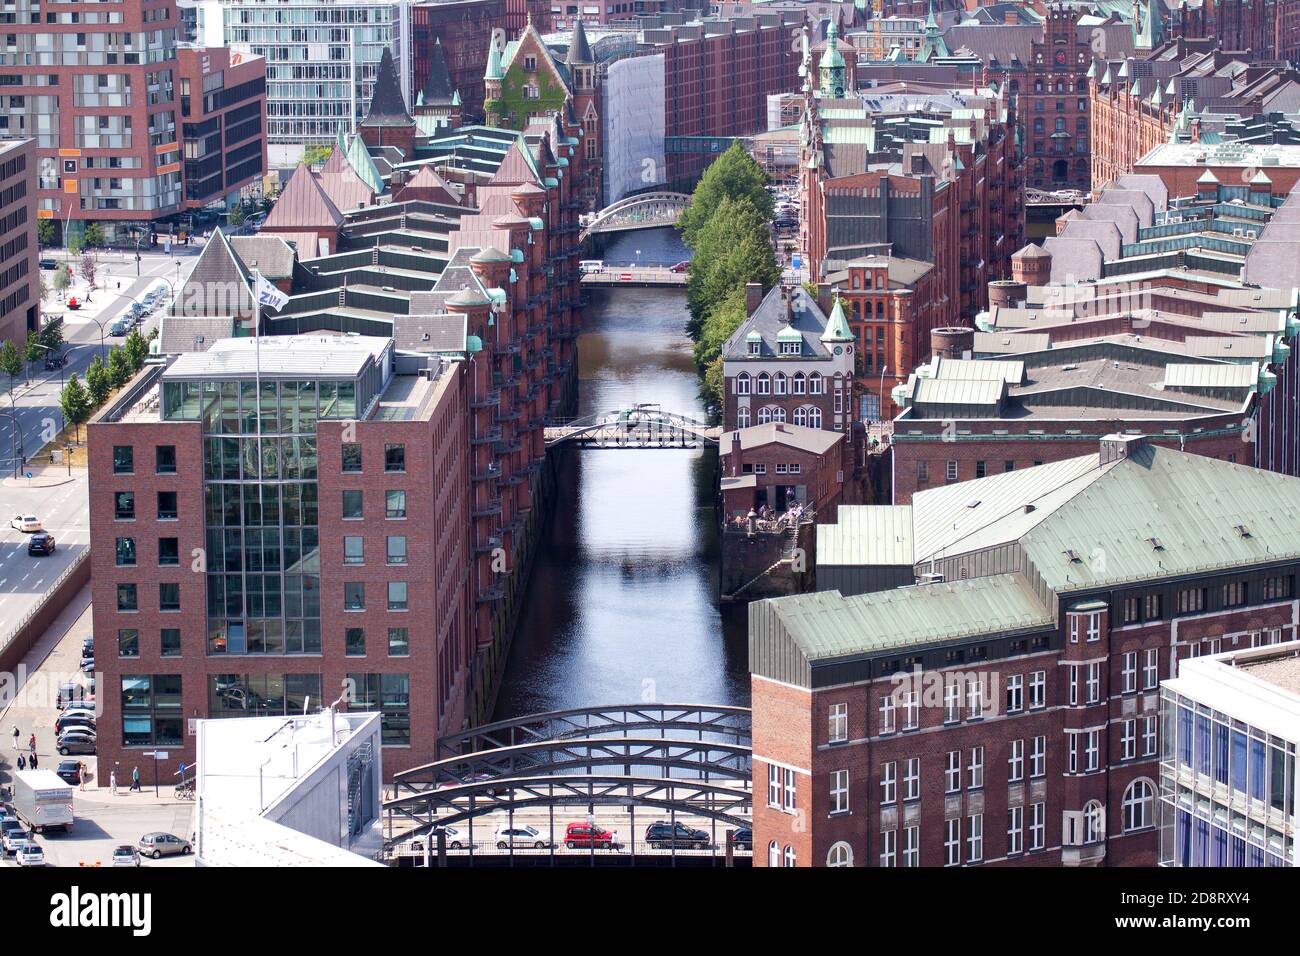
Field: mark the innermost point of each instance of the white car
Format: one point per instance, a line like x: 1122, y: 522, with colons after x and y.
x: 30, y: 854
x: 26, y: 523
x: 529, y: 837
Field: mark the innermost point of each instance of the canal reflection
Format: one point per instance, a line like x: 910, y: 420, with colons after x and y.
x: 622, y: 602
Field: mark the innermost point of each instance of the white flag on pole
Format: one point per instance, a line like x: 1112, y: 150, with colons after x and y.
x: 268, y: 294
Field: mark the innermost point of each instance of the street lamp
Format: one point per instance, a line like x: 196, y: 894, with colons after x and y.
x: 16, y: 443
x: 881, y: 411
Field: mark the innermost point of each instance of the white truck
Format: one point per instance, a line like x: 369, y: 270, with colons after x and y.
x: 42, y: 800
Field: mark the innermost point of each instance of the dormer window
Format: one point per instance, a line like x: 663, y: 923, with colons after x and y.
x: 755, y: 348
x: 530, y: 64
x: 791, y: 348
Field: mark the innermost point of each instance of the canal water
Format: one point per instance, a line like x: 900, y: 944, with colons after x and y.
x: 622, y: 605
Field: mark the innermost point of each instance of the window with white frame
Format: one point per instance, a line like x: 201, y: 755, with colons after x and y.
x: 742, y: 383
x: 1037, y: 690
x: 1129, y: 672
x: 1094, y: 627
x: 951, y: 702
x: 1094, y: 682
x: 763, y: 384
x: 789, y: 855
x: 975, y: 838
x: 952, y: 842
x: 888, y: 782
x: 889, y: 848
x: 974, y: 700
x: 950, y: 471
x: 789, y: 791
x: 1073, y: 670
x: 773, y: 854
x: 975, y: 769
x: 1151, y: 669
x: 1074, y: 753
x: 798, y: 384
x: 1094, y: 822
x: 952, y: 772
x: 1139, y: 805
x: 1037, y: 826
x: 1128, y: 740
x: 742, y: 417
x: 912, y: 779
x: 755, y: 347
x: 816, y: 384
x: 779, y: 384
x: 841, y: 854
x: 1038, y: 758
x: 1015, y: 829
x: 887, y: 714
x: 773, y: 785
x: 911, y: 711
x: 1150, y: 727
x: 1016, y: 762
x: 1015, y: 693
x: 1092, y: 751
x: 840, y: 791
x: 911, y: 846
x: 838, y: 729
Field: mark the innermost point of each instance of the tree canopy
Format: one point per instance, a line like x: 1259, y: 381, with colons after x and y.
x: 733, y: 175
x: 75, y: 403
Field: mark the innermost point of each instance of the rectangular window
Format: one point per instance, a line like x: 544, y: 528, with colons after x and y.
x: 351, y: 458
x: 126, y: 552
x: 840, y: 791
x: 975, y: 838
x: 888, y: 783
x: 151, y: 710
x: 1037, y: 826
x: 354, y: 642
x: 169, y: 552
x: 170, y: 642
x: 124, y: 505
x: 399, y: 642
x: 167, y: 510
x: 1150, y: 726
x: 922, y: 472
x: 1191, y: 600
x: 1072, y: 762
x: 1016, y: 762
x: 912, y: 779
x: 974, y: 700
x: 1094, y: 682
x: 912, y: 846
x: 1015, y: 829
x: 123, y: 460
x: 773, y: 785
x: 396, y: 549
x: 889, y: 848
x: 981, y: 469
x: 394, y: 458
x: 1129, y: 672
x: 128, y: 642
x: 1234, y: 594
x: 127, y: 599
x: 1277, y: 588
x: 1038, y: 757
x: 951, y: 702
x: 354, y: 549
x: 952, y: 772
x: 887, y: 714
x: 952, y: 842
x: 1092, y: 751
x: 1151, y: 669
x: 1037, y: 690
x: 1132, y: 610
x: 397, y: 596
x: 976, y: 768
x: 352, y: 504
x: 1154, y: 608
x: 950, y: 471
x: 790, y: 803
x: 911, y: 711
x: 169, y: 597
x: 1015, y: 693
x: 1128, y: 740
x: 354, y: 596
x: 164, y: 459
x: 838, y: 723
x: 1073, y: 671
x: 395, y: 504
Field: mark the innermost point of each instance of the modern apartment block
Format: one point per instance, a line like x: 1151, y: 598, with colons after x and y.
x: 322, y: 60
x: 223, y: 117
x: 1006, y: 710
x: 19, y: 278
x: 270, y: 512
x: 1228, y: 784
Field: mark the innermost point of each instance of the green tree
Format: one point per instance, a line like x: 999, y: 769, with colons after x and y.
x: 11, y: 363
x: 711, y: 389
x: 720, y: 324
x: 731, y: 249
x: 75, y: 402
x: 98, y: 381
x: 137, y: 349
x: 93, y: 236
x: 733, y: 175
x: 75, y: 245
x: 52, y: 334
x: 45, y: 232
x: 317, y: 153
x: 235, y: 218
x: 119, y: 367
x: 32, y: 351
x: 62, y: 279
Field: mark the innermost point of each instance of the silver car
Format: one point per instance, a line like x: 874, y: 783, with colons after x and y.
x: 157, y: 845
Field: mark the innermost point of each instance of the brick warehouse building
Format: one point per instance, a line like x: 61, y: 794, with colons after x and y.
x: 19, y: 278
x: 1019, y: 724
x: 231, y: 592
x: 1270, y: 29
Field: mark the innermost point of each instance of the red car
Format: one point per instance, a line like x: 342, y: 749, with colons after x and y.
x: 683, y: 266
x: 586, y: 835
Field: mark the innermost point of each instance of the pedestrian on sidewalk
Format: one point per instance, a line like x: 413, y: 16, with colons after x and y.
x: 22, y: 764
x: 31, y: 744
x: 135, y: 778
x: 16, y: 736
x: 34, y: 764
x: 112, y: 781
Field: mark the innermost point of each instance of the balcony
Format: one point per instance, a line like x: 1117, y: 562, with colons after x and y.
x: 1090, y: 854
x: 486, y: 438
x: 491, y: 595
x: 487, y: 472
x: 487, y: 509
x: 489, y: 400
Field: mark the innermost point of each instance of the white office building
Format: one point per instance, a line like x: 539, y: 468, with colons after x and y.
x: 321, y: 61
x: 1230, y: 724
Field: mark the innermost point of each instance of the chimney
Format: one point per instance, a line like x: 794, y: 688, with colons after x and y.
x: 753, y: 296
x: 1115, y: 447
x: 787, y: 299
x: 735, y: 455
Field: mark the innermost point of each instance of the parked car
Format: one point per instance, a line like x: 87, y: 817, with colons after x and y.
x: 48, y: 264
x: 40, y: 543
x: 661, y: 836
x: 69, y: 771
x: 76, y: 741
x: 73, y: 303
x: 163, y: 844
x: 125, y: 856
x: 683, y: 266
x: 587, y: 835
x: 29, y: 853
x: 520, y: 837
x: 87, y: 665
x: 743, y: 839
x: 27, y: 524
x: 74, y: 722
x: 77, y: 710
x: 11, y: 833
x: 120, y: 327
x: 74, y: 695
x: 88, y: 647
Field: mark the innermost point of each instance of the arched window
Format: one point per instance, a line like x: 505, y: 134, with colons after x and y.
x: 742, y: 383
x: 841, y: 854
x: 816, y: 385
x: 789, y: 855
x: 1094, y: 821
x: 773, y: 854
x: 1139, y: 804
x: 764, y: 385
x: 814, y: 417
x: 780, y: 388
x: 765, y: 414
x: 742, y: 417
x: 798, y: 384
x: 801, y: 415
x: 778, y: 414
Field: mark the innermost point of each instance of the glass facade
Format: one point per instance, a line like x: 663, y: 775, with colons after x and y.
x: 1228, y: 790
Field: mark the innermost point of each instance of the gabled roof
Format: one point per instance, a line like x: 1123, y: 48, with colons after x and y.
x: 217, y: 273
x: 387, y: 106
x: 361, y: 161
x: 438, y: 87
x: 345, y: 188
x: 818, y: 441
x: 270, y: 255
x: 769, y: 320
x: 428, y: 185
x: 516, y: 167
x: 303, y: 205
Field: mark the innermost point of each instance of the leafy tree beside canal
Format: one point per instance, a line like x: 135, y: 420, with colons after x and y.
x: 726, y: 226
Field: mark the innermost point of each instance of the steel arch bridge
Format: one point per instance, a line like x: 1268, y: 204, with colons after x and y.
x: 642, y: 211
x: 686, y: 759
x: 641, y: 426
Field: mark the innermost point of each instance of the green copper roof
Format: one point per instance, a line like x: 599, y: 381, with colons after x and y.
x: 837, y: 326
x: 494, y: 69
x: 359, y: 159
